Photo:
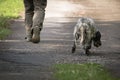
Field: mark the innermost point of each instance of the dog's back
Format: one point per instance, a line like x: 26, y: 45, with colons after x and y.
x: 85, y: 27
x: 86, y: 31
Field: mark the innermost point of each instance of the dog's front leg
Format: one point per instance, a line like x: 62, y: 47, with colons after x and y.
x: 74, y: 47
x: 75, y: 42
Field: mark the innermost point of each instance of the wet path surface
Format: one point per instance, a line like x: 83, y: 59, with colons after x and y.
x: 21, y: 60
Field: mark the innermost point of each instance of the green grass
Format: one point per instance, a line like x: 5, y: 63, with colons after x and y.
x: 9, y: 9
x: 88, y: 71
x: 4, y: 32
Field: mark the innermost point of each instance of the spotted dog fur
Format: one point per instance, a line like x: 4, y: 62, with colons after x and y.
x: 86, y: 33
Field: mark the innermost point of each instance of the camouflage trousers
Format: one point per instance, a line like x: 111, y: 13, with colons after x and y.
x: 34, y: 13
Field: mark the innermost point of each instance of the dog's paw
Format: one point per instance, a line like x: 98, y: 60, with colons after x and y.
x: 87, y: 52
x: 73, y: 49
x: 97, y: 44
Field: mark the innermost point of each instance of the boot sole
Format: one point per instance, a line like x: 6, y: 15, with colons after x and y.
x: 36, y: 35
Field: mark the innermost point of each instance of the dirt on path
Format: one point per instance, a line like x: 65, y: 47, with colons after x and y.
x: 21, y: 60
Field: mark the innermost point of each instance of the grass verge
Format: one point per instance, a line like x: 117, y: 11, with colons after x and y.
x: 87, y: 71
x: 8, y: 10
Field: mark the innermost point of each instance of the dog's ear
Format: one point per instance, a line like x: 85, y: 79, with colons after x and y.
x: 97, y: 39
x: 97, y: 36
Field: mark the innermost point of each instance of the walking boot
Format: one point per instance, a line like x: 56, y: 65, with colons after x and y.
x: 36, y: 34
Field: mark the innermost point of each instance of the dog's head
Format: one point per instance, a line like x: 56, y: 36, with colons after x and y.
x: 97, y: 39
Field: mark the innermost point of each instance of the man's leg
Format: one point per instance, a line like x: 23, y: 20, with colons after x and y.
x: 38, y: 19
x: 29, y: 12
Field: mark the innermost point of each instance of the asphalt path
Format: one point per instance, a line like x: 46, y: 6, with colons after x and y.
x: 21, y: 60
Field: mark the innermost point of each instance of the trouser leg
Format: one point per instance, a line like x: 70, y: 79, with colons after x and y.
x: 38, y: 18
x: 39, y: 13
x: 29, y: 12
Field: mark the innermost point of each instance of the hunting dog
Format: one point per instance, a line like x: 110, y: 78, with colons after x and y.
x: 86, y: 33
